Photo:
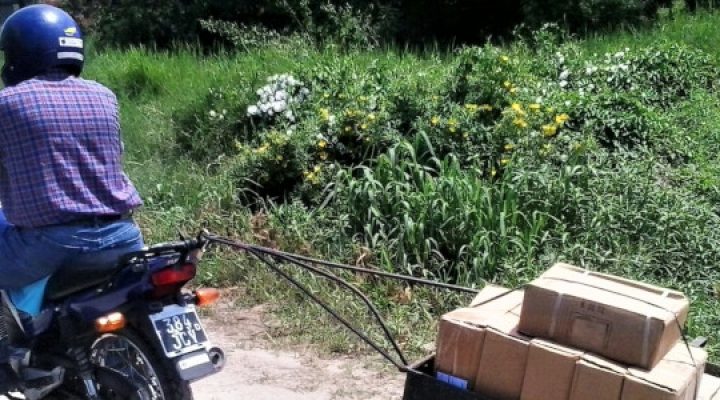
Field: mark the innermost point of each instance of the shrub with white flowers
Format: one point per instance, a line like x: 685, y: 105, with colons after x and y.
x: 279, y: 98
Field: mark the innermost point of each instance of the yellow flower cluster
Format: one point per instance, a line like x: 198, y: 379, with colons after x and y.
x: 520, y: 123
x: 521, y: 117
x: 313, y: 176
x: 518, y: 109
x: 324, y: 114
x: 452, y: 125
x: 559, y: 121
x: 562, y: 119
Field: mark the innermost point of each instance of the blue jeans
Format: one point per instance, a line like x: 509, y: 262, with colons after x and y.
x: 30, y: 255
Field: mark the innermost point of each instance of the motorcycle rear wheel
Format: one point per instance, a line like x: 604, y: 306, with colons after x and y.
x: 128, y: 354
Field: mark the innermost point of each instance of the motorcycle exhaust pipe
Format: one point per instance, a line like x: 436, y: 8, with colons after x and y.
x: 217, y: 358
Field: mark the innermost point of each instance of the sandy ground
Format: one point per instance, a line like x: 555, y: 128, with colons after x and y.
x: 257, y: 370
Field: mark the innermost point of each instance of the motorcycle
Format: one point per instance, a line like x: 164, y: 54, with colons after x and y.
x: 127, y: 331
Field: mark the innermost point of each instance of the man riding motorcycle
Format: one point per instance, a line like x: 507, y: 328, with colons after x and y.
x: 65, y: 197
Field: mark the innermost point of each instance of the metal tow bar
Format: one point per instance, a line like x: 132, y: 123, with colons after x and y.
x: 270, y: 256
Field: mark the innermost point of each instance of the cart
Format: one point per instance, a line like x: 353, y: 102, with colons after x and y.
x: 421, y: 383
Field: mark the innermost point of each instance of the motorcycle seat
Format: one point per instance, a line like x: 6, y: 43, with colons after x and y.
x: 79, y: 276
x: 73, y: 279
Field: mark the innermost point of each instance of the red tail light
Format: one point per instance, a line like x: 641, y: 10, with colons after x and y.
x: 170, y: 280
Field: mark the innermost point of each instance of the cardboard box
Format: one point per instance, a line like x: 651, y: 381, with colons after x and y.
x: 623, y: 320
x: 498, y: 298
x: 459, y: 347
x: 676, y: 377
x: 597, y: 379
x: 462, y: 334
x: 709, y: 388
x: 550, y: 371
x: 502, y: 366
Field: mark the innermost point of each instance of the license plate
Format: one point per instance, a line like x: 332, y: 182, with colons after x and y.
x: 179, y: 330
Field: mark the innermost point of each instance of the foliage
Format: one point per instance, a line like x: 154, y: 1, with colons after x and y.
x: 441, y: 221
x: 212, y: 127
x: 485, y: 164
x: 240, y: 36
x: 351, y: 24
x: 590, y: 14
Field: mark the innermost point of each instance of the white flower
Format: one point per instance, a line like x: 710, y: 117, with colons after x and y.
x: 563, y: 84
x: 213, y: 114
x: 279, y: 106
x: 564, y: 75
x: 253, y: 111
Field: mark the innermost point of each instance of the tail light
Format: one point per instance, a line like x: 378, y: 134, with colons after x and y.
x: 206, y: 297
x: 110, y: 323
x: 169, y: 280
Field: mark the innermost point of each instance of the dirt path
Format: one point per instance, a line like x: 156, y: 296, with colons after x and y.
x: 257, y: 371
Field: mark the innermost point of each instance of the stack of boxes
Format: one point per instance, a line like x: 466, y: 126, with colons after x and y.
x: 573, y: 335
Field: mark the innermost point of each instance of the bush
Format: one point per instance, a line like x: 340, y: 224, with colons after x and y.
x: 590, y: 14
x: 274, y: 169
x: 348, y: 23
x: 212, y: 127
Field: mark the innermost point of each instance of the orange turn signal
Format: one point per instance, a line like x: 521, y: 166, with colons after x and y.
x: 110, y: 323
x: 206, y: 297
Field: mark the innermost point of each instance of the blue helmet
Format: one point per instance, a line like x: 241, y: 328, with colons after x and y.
x: 37, y: 39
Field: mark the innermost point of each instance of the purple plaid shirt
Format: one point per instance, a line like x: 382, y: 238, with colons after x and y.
x: 61, y: 152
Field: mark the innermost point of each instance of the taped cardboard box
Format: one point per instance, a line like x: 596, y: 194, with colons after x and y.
x: 550, y: 375
x: 677, y: 377
x: 709, y: 388
x: 597, y: 379
x: 502, y: 366
x: 462, y: 334
x: 498, y: 298
x: 550, y: 371
x: 459, y: 346
x: 625, y: 321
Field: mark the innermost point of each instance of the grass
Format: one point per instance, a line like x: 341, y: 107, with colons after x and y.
x: 643, y: 215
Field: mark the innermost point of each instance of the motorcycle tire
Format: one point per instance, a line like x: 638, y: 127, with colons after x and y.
x: 148, y: 368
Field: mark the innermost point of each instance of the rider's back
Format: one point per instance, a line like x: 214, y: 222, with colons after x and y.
x: 61, y: 151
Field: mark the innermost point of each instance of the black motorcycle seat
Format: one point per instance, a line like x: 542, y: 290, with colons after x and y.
x: 73, y: 279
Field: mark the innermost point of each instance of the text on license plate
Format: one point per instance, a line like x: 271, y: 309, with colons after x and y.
x: 179, y: 330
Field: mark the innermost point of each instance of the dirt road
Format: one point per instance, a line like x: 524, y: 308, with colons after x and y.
x: 257, y: 371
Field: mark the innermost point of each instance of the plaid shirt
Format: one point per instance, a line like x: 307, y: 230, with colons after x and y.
x: 61, y: 152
